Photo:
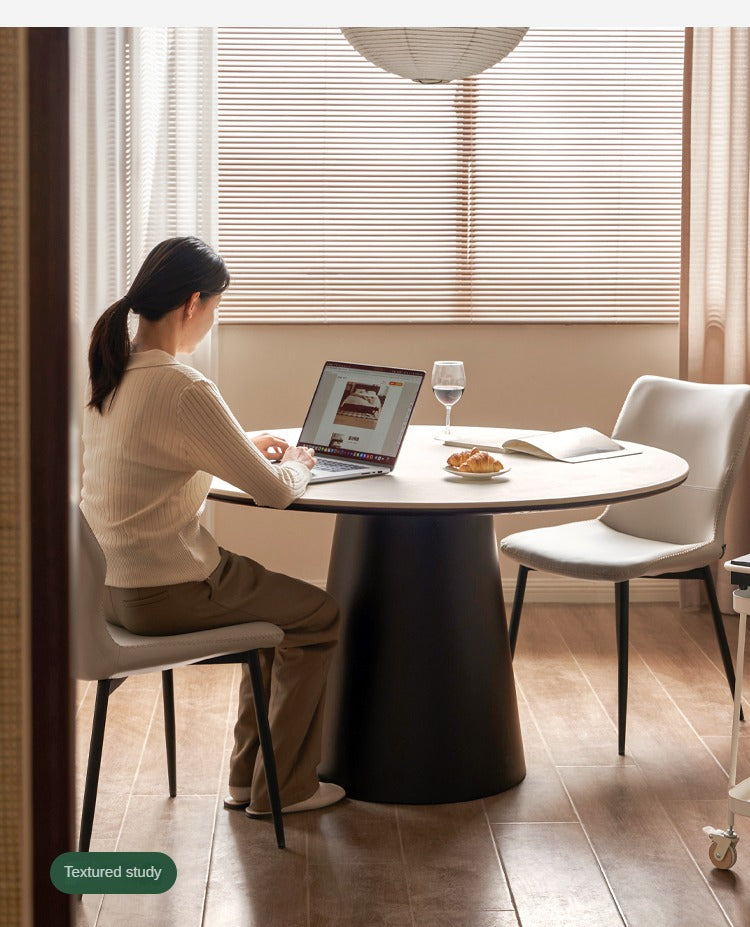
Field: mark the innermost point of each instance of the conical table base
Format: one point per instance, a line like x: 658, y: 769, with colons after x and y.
x: 421, y: 702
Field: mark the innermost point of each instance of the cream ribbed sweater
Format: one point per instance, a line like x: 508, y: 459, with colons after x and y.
x: 147, y: 468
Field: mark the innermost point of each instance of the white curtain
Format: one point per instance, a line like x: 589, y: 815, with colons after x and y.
x: 715, y: 316
x: 144, y: 159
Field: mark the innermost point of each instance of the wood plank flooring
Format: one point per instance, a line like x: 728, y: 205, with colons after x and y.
x: 588, y: 838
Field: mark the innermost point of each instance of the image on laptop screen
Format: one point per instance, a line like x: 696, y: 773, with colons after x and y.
x: 361, y: 412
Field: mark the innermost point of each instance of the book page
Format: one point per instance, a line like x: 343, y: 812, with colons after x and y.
x: 572, y: 445
x: 487, y: 440
x: 465, y: 439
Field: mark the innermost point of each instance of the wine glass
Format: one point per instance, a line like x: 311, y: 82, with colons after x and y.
x: 448, y: 384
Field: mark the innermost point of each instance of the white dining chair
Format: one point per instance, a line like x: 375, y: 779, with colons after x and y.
x: 107, y: 653
x: 677, y: 534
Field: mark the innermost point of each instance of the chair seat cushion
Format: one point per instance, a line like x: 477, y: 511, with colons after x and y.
x: 140, y: 654
x: 592, y: 550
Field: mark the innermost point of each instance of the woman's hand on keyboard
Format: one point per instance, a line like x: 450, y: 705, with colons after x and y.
x: 270, y: 446
x: 302, y: 454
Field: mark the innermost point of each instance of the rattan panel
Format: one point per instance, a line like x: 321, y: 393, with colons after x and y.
x: 11, y: 566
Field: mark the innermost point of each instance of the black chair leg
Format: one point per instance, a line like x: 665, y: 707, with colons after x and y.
x: 621, y: 628
x: 266, y: 746
x: 167, y: 689
x: 515, y: 615
x: 103, y: 688
x: 721, y: 634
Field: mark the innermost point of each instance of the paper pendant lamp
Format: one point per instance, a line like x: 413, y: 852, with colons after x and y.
x: 434, y: 55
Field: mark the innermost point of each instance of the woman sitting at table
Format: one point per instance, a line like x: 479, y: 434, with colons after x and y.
x: 155, y: 431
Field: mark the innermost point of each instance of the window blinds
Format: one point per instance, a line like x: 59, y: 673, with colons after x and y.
x: 545, y: 189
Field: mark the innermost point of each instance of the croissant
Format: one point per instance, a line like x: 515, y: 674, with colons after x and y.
x: 460, y: 457
x: 481, y: 462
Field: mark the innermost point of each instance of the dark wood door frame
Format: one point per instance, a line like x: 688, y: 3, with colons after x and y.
x: 49, y: 431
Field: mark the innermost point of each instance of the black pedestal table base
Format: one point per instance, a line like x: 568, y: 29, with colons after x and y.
x: 421, y: 702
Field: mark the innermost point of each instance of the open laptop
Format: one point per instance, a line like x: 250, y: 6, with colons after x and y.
x: 358, y: 418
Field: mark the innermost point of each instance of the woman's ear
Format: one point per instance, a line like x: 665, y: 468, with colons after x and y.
x: 190, y: 304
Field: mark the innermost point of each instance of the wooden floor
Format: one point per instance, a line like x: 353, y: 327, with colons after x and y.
x: 587, y: 839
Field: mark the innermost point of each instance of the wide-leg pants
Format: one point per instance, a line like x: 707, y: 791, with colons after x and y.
x: 294, y: 673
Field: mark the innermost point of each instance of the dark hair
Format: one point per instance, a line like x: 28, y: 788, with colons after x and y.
x: 172, y: 272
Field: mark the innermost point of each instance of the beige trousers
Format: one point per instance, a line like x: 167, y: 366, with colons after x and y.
x: 294, y: 674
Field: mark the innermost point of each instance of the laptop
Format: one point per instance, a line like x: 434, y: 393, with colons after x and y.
x: 358, y: 418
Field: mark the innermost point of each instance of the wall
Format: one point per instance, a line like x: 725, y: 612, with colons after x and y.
x: 531, y: 376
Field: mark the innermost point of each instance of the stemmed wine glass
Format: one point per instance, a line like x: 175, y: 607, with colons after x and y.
x: 448, y: 384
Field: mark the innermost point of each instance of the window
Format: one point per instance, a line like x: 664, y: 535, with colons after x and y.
x: 545, y: 189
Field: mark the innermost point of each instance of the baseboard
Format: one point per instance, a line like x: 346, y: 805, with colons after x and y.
x: 544, y: 587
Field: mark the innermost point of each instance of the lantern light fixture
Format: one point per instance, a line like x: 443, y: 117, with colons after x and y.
x: 434, y: 55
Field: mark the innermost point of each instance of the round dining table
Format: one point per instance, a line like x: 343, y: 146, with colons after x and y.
x: 421, y: 701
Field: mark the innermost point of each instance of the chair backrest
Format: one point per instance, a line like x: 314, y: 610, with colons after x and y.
x: 95, y: 654
x: 706, y: 424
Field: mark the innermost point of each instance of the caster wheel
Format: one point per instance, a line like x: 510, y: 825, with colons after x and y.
x: 727, y: 861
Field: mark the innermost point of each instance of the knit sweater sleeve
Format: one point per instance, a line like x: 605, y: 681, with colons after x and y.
x: 215, y: 442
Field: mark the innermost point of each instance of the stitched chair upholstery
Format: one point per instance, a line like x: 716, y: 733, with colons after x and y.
x: 109, y: 654
x: 676, y: 534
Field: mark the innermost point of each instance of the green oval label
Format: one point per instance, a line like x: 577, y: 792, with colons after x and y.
x: 113, y: 873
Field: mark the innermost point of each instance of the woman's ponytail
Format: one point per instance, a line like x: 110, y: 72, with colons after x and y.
x: 109, y: 352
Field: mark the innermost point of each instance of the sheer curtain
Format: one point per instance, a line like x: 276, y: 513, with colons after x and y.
x: 715, y: 316
x: 144, y: 159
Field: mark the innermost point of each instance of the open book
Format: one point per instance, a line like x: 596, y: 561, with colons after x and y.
x: 573, y: 445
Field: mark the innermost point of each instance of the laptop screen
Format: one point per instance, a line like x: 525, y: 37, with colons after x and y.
x: 361, y: 412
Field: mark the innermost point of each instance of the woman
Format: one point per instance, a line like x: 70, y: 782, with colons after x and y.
x: 155, y: 431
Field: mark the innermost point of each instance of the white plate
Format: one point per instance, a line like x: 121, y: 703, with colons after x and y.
x: 476, y: 476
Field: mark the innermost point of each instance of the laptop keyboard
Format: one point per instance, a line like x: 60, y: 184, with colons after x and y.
x: 335, y: 465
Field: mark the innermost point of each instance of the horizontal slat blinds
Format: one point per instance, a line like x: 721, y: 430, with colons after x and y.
x: 576, y: 191
x: 544, y: 189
